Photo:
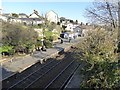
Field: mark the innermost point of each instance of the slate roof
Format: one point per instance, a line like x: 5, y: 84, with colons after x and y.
x: 52, y: 11
x: 22, y: 14
x: 30, y: 19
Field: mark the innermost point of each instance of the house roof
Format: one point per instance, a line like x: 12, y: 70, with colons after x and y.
x: 51, y: 11
x: 77, y: 27
x: 31, y: 19
x: 6, y: 14
x: 22, y: 14
x: 35, y: 14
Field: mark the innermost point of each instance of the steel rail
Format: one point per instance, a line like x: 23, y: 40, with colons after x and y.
x: 58, y: 75
x: 42, y: 75
x: 69, y: 78
x: 29, y: 75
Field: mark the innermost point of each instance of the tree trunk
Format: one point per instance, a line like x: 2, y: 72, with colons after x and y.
x: 119, y: 18
x: 110, y: 13
x: 119, y: 30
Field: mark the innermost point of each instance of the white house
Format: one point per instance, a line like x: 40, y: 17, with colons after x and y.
x: 69, y: 27
x: 23, y: 19
x: 77, y: 30
x: 33, y: 15
x: 7, y: 17
x: 35, y: 18
x: 4, y: 18
x: 52, y: 16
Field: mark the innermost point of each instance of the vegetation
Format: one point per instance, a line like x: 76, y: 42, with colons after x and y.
x: 21, y: 39
x: 8, y: 49
x: 63, y: 27
x: 15, y: 15
x: 103, y: 12
x: 62, y: 19
x: 52, y: 34
x: 51, y: 26
x: 99, y: 48
x: 76, y: 22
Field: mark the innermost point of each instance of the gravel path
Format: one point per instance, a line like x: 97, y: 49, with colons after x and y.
x: 77, y: 78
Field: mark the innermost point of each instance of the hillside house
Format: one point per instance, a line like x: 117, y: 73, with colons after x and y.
x: 78, y: 30
x: 33, y: 19
x: 52, y: 16
x: 69, y: 27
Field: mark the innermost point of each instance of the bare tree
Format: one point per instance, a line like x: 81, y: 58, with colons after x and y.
x: 118, y: 27
x: 119, y: 14
x: 103, y: 13
x: 110, y: 14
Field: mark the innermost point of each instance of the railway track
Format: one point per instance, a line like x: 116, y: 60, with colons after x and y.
x: 49, y: 76
x: 33, y: 76
x: 62, y: 78
x: 54, y: 74
x: 14, y: 78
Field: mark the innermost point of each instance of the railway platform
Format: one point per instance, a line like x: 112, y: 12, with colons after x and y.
x: 10, y: 67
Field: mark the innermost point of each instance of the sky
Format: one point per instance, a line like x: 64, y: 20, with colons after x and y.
x: 69, y: 10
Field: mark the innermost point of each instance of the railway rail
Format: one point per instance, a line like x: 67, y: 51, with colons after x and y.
x: 17, y: 77
x: 54, y: 74
x: 62, y: 78
x: 34, y: 76
x: 49, y: 76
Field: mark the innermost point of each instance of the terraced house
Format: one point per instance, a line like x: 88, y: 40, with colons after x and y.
x: 32, y: 19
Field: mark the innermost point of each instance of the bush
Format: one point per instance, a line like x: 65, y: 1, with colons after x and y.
x: 8, y: 49
x: 48, y: 44
x: 18, y: 36
x: 11, y: 52
x: 98, y: 51
x: 51, y: 38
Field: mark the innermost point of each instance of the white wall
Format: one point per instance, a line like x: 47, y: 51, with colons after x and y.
x: 33, y: 16
x: 52, y: 17
x: 69, y: 27
x: 22, y: 16
x: 3, y: 18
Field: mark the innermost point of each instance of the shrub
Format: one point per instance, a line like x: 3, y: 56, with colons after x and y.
x: 48, y: 44
x: 98, y: 51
